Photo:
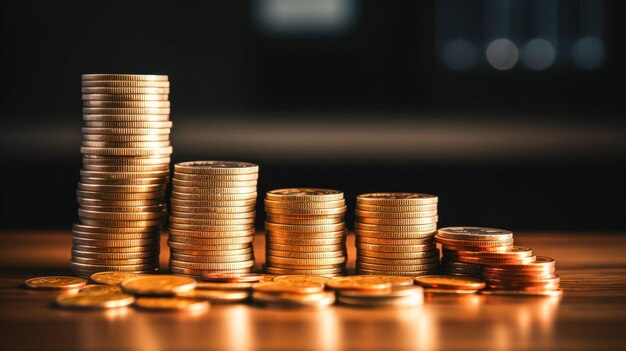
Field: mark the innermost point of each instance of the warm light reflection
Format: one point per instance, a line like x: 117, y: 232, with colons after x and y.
x: 237, y: 329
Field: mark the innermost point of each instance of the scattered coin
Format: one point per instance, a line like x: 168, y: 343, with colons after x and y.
x: 95, y: 301
x: 55, y: 282
x: 178, y: 303
x: 112, y: 278
x: 450, y: 282
x: 158, y: 285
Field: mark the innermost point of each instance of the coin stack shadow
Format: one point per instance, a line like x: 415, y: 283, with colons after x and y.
x: 395, y: 234
x: 305, y: 232
x: 455, y: 240
x: 212, y: 219
x: 126, y: 156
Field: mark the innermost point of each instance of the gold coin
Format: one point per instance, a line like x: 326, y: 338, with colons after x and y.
x: 402, y: 291
x: 305, y: 221
x: 404, y: 215
x: 282, y: 271
x: 92, y: 268
x: 113, y: 138
x: 212, y: 266
x: 397, y: 261
x: 213, y: 211
x: 212, y: 197
x: 358, y: 283
x: 97, y: 289
x: 397, y: 273
x: 123, y: 118
x: 124, y: 77
x: 449, y: 291
x: 401, y: 268
x: 212, y: 228
x: 304, y: 194
x: 216, y: 177
x: 557, y: 292
x: 321, y: 299
x: 114, y: 255
x: 125, y: 97
x: 125, y: 87
x: 395, y: 228
x: 232, y: 204
x: 121, y: 223
x: 112, y: 278
x: 396, y: 248
x: 298, y: 241
x: 289, y: 287
x: 398, y: 255
x: 126, y: 151
x: 476, y: 243
x: 115, y: 243
x: 315, y: 279
x: 496, y: 261
x: 107, y: 261
x: 211, y: 241
x: 395, y: 208
x: 272, y: 264
x: 448, y: 282
x: 216, y: 167
x: 202, y: 221
x: 55, y: 282
x: 398, y: 221
x: 153, y: 208
x: 108, y: 230
x: 475, y: 233
x: 211, y: 259
x: 125, y: 111
x: 198, y: 247
x: 121, y: 188
x: 97, y: 301
x: 125, y: 91
x: 215, y: 183
x: 213, y: 215
x: 398, y: 302
x: 304, y: 205
x: 515, y: 252
x: 206, y: 253
x: 273, y: 260
x: 124, y: 216
x: 224, y: 286
x: 306, y: 255
x: 305, y: 213
x: 151, y: 249
x: 178, y: 303
x: 212, y: 235
x: 393, y: 280
x: 125, y: 161
x: 218, y: 296
x: 325, y: 235
x: 304, y: 228
x: 125, y: 124
x: 250, y: 190
x: 396, y: 199
x: 395, y: 235
x: 161, y: 284
x: 233, y: 278
x: 114, y: 181
x: 369, y: 240
x: 305, y: 248
x: 197, y: 273
x: 83, y: 195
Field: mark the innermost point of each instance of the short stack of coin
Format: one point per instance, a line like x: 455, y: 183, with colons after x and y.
x: 394, y: 234
x: 306, y: 232
x: 533, y: 276
x: 460, y: 242
x: 212, y: 219
x: 126, y: 155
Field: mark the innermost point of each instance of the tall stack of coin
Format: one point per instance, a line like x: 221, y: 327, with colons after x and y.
x: 212, y: 219
x: 394, y: 234
x: 126, y: 156
x: 455, y: 241
x: 306, y: 232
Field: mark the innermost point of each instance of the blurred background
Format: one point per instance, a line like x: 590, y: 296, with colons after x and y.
x: 512, y: 111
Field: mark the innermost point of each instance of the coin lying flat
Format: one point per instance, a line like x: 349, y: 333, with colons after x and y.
x: 99, y: 289
x: 178, y: 303
x: 158, y: 284
x: 290, y: 300
x: 449, y: 282
x: 358, y: 283
x: 218, y: 296
x: 290, y: 287
x: 112, y: 278
x: 95, y: 301
x: 233, y: 278
x: 301, y: 279
x: 55, y: 282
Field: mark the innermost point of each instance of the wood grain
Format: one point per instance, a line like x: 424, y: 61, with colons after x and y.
x: 591, y: 314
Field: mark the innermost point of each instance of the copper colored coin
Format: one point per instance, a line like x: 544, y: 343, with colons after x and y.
x: 218, y: 296
x: 55, y: 282
x: 233, y: 278
x: 360, y: 282
x: 172, y: 303
x: 556, y: 292
x: 289, y: 287
x: 450, y: 282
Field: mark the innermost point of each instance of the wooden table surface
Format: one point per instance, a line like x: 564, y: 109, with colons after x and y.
x: 591, y: 314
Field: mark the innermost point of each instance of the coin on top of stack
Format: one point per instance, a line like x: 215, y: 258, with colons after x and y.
x: 212, y: 219
x: 305, y: 232
x: 126, y: 155
x: 395, y: 234
x: 460, y: 242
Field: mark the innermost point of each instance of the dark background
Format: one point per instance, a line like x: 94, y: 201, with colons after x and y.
x: 370, y: 108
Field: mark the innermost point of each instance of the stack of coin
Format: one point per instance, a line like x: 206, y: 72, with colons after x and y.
x: 126, y: 155
x: 212, y: 220
x: 460, y: 242
x: 535, y: 276
x: 306, y: 232
x: 394, y: 234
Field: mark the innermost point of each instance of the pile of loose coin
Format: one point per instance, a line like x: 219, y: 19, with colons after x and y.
x: 306, y: 232
x: 394, y: 234
x: 488, y: 253
x: 126, y: 155
x: 212, y: 223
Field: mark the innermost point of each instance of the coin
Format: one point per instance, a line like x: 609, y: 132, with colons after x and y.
x: 123, y: 85
x: 212, y: 197
x: 114, y: 255
x: 447, y: 282
x: 322, y: 272
x: 224, y: 286
x: 448, y: 291
x: 404, y: 199
x: 395, y: 208
x: 233, y: 278
x: 216, y: 167
x: 395, y: 248
x: 306, y: 221
x: 55, y: 282
x: 304, y: 194
x: 301, y: 279
x: 293, y: 287
x: 398, y: 255
x: 305, y: 248
x: 304, y: 205
x: 123, y: 97
x: 97, y: 289
x: 124, y: 77
x: 557, y: 292
x: 213, y: 266
x: 178, y: 303
x: 397, y: 261
x: 218, y: 296
x: 305, y: 213
x: 295, y: 254
x: 385, y: 241
x: 197, y: 273
x: 112, y: 278
x: 95, y: 301
x: 400, y: 215
x: 130, y: 124
x: 158, y: 284
x: 211, y: 259
x: 187, y: 246
x: 475, y: 233
x: 285, y: 241
x: 395, y: 228
x: 358, y: 283
x: 320, y: 299
x: 216, y: 177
